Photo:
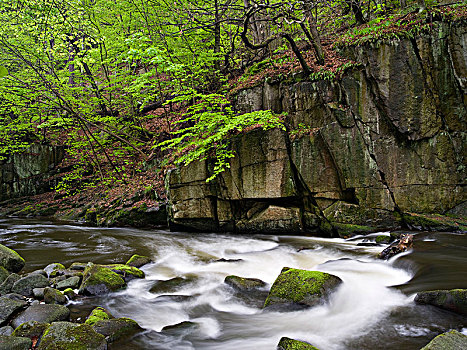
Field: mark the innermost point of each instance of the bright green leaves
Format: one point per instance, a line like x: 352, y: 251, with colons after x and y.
x: 206, y: 128
x: 3, y: 72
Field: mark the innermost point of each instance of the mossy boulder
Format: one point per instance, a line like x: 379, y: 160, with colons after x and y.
x: 52, y: 270
x: 127, y: 272
x: 25, y: 285
x: 54, y: 296
x: 10, y: 259
x: 9, y: 305
x: 452, y: 340
x: 138, y: 261
x: 292, y: 344
x: 30, y: 329
x: 46, y: 313
x: 431, y: 222
x: 98, y: 280
x: 302, y: 287
x: 382, y: 239
x: 453, y: 300
x: 117, y: 328
x: 98, y: 314
x: 16, y: 343
x: 71, y: 336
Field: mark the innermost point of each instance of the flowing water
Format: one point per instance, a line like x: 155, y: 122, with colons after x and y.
x: 373, y: 309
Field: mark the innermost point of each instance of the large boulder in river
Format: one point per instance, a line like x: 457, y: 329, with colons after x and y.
x: 302, y: 287
x: 46, y: 313
x: 54, y: 296
x: 452, y: 340
x: 71, y: 336
x: 453, y: 300
x: 117, y: 328
x: 98, y: 280
x: 10, y: 259
x: 292, y: 344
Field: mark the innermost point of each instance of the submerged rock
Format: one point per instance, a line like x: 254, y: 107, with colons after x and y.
x: 9, y: 306
x: 25, y: 285
x: 10, y: 259
x: 138, y: 261
x: 182, y: 327
x: 71, y: 336
x: 453, y: 300
x: 404, y: 243
x: 307, y: 288
x: 171, y: 285
x: 46, y: 313
x: 98, y: 280
x: 16, y: 343
x: 452, y: 340
x: 117, y: 328
x: 292, y: 344
x: 98, y: 314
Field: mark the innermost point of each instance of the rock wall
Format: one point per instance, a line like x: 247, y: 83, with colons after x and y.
x: 26, y: 173
x: 388, y: 138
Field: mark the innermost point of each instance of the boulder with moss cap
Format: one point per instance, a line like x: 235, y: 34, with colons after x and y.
x: 98, y: 280
x: 117, y: 328
x: 138, y: 261
x: 452, y: 340
x: 302, y: 287
x: 71, y: 336
x: 292, y: 344
x: 31, y: 329
x: 10, y: 259
x: 453, y: 300
x: 98, y: 314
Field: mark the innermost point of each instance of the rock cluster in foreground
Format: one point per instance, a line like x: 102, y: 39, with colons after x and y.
x: 33, y: 311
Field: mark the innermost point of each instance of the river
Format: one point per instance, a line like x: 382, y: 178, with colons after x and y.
x: 373, y: 309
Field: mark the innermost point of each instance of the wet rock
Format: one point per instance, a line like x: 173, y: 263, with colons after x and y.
x: 292, y: 344
x: 180, y: 328
x: 117, y: 328
x: 244, y: 284
x: 52, y: 269
x: 39, y: 272
x: 453, y: 300
x: 382, y: 239
x: 54, y: 296
x: 404, y: 243
x: 77, y: 266
x: 302, y: 287
x: 98, y: 280
x: 16, y: 343
x: 171, y: 285
x: 25, y: 285
x: 72, y: 282
x: 452, y: 340
x: 3, y: 274
x: 70, y: 293
x: 6, y: 330
x: 175, y: 298
x: 228, y: 260
x: 31, y: 329
x: 6, y: 286
x: 38, y: 293
x: 46, y: 313
x: 9, y: 305
x: 72, y: 336
x: 10, y: 259
x: 98, y: 314
x: 138, y: 261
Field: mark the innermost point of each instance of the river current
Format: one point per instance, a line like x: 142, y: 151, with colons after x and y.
x: 373, y: 309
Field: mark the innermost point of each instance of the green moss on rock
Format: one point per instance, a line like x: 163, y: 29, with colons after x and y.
x: 98, y: 314
x: 453, y: 300
x: 434, y: 222
x: 30, y: 329
x: 10, y: 259
x: 292, y: 344
x: 138, y: 261
x: 452, y: 340
x: 301, y: 287
x: 125, y: 270
x: 346, y: 230
x: 117, y: 328
x: 71, y: 336
x: 98, y: 280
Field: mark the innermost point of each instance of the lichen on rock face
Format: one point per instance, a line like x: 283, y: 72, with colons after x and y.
x: 302, y: 287
x: 98, y: 280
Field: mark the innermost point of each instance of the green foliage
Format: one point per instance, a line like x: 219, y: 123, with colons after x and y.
x: 207, y: 127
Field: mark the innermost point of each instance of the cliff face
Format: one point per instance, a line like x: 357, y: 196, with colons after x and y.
x: 26, y: 174
x: 387, y: 139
